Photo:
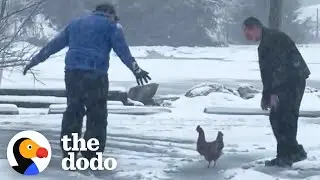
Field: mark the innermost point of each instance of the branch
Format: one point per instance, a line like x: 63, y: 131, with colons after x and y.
x: 18, y: 57
x: 3, y: 8
x: 35, y: 78
x: 21, y: 26
x: 20, y: 10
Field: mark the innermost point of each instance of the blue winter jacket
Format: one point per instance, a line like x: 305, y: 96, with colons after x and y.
x: 90, y: 39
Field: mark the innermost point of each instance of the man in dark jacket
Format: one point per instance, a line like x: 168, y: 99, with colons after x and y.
x: 283, y: 73
x: 90, y: 39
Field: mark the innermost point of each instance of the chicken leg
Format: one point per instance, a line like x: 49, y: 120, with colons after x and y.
x: 214, y: 164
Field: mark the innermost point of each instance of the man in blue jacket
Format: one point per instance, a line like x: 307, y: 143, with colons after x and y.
x: 90, y: 39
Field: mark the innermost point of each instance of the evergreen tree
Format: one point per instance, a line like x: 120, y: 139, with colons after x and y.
x: 155, y: 22
x: 296, y: 29
x: 260, y: 9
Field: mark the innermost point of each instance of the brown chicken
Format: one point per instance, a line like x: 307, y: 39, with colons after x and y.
x: 211, y: 151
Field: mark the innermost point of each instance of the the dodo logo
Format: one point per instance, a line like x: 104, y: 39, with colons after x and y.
x: 29, y: 152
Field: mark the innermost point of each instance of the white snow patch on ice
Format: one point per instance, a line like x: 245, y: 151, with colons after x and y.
x: 8, y: 108
x: 310, y: 102
x: 240, y: 174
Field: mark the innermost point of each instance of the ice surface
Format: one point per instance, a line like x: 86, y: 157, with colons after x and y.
x: 116, y: 109
x: 163, y: 147
x: 251, y: 111
x: 310, y: 101
x: 7, y: 173
x: 113, y: 88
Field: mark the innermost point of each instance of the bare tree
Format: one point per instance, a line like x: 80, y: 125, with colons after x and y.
x: 275, y: 14
x: 10, y: 33
x: 14, y: 51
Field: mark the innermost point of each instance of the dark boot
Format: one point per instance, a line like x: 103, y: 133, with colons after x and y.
x: 298, y: 155
x: 280, y: 162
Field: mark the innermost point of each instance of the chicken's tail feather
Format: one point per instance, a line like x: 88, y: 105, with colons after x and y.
x: 219, y: 136
x: 219, y: 140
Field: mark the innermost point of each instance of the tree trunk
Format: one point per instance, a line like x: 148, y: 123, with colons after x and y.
x: 3, y: 6
x: 275, y: 14
x: 1, y: 70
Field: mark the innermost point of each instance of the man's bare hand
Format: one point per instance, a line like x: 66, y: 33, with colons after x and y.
x: 264, y: 104
x: 274, y: 101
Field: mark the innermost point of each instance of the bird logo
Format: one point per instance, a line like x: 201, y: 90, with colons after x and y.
x: 29, y: 153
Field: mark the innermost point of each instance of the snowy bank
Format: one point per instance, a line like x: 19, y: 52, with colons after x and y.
x: 213, y: 95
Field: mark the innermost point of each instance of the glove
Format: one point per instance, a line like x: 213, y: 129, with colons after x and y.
x: 28, y: 67
x: 142, y: 75
x: 139, y: 73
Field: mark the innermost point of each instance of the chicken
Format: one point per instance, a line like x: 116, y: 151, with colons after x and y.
x: 211, y: 151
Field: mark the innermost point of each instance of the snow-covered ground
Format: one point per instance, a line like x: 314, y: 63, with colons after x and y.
x: 168, y: 65
x: 163, y: 146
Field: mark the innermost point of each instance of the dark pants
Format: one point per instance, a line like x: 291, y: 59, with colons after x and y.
x: 86, y: 95
x: 284, y: 120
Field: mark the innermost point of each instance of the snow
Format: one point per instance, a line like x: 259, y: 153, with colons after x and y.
x: 135, y: 103
x: 240, y: 60
x: 308, y: 12
x: 8, y: 108
x: 45, y: 25
x: 43, y: 99
x: 310, y: 102
x: 8, y: 173
x: 163, y: 146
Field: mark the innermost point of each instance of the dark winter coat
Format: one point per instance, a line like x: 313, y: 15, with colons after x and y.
x: 280, y: 62
x: 90, y: 39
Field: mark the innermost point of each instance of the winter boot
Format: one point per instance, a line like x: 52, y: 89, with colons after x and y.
x: 280, y: 162
x: 282, y: 159
x: 298, y: 155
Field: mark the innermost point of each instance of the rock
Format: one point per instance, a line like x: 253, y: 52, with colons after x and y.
x: 204, y: 89
x: 164, y: 100
x: 143, y: 94
x: 152, y: 54
x: 247, y: 92
x: 166, y: 103
x: 134, y: 103
x: 310, y: 90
